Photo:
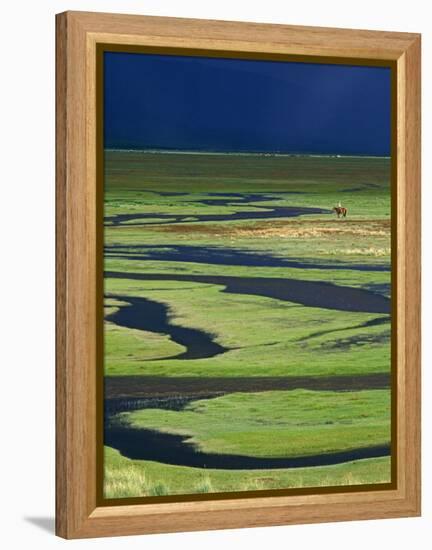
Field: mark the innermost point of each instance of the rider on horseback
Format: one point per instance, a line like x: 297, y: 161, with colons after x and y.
x: 340, y: 210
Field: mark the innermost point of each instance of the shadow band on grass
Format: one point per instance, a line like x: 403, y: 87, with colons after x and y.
x: 174, y: 387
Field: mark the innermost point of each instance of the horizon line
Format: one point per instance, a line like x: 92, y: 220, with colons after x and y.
x: 242, y: 153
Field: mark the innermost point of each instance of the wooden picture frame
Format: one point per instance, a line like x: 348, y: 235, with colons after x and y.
x: 78, y: 270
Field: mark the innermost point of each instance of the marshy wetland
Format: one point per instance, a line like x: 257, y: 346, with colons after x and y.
x: 247, y: 328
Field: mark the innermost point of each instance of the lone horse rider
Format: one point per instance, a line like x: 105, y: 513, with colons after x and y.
x: 340, y: 210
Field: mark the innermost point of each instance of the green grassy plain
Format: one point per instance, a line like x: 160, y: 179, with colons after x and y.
x: 276, y: 423
x: 266, y: 336
x: 140, y: 478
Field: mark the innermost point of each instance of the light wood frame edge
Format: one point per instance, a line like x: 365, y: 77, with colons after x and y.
x: 77, y: 515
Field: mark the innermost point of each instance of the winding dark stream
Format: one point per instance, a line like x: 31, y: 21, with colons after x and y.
x: 268, y: 212
x: 224, y: 199
x: 146, y: 314
x: 307, y: 293
x: 224, y: 256
x: 152, y: 316
x: 142, y: 444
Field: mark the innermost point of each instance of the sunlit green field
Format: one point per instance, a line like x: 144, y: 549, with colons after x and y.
x: 262, y: 335
x: 142, y: 478
x: 276, y: 423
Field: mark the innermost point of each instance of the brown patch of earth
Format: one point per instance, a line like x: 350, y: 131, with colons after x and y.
x: 158, y: 386
x: 288, y: 229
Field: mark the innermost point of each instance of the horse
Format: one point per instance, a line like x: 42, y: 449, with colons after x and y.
x: 340, y: 211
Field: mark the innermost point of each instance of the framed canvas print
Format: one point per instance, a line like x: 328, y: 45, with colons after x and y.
x: 238, y: 274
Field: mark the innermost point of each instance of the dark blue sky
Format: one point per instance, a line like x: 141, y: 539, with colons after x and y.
x: 196, y: 103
